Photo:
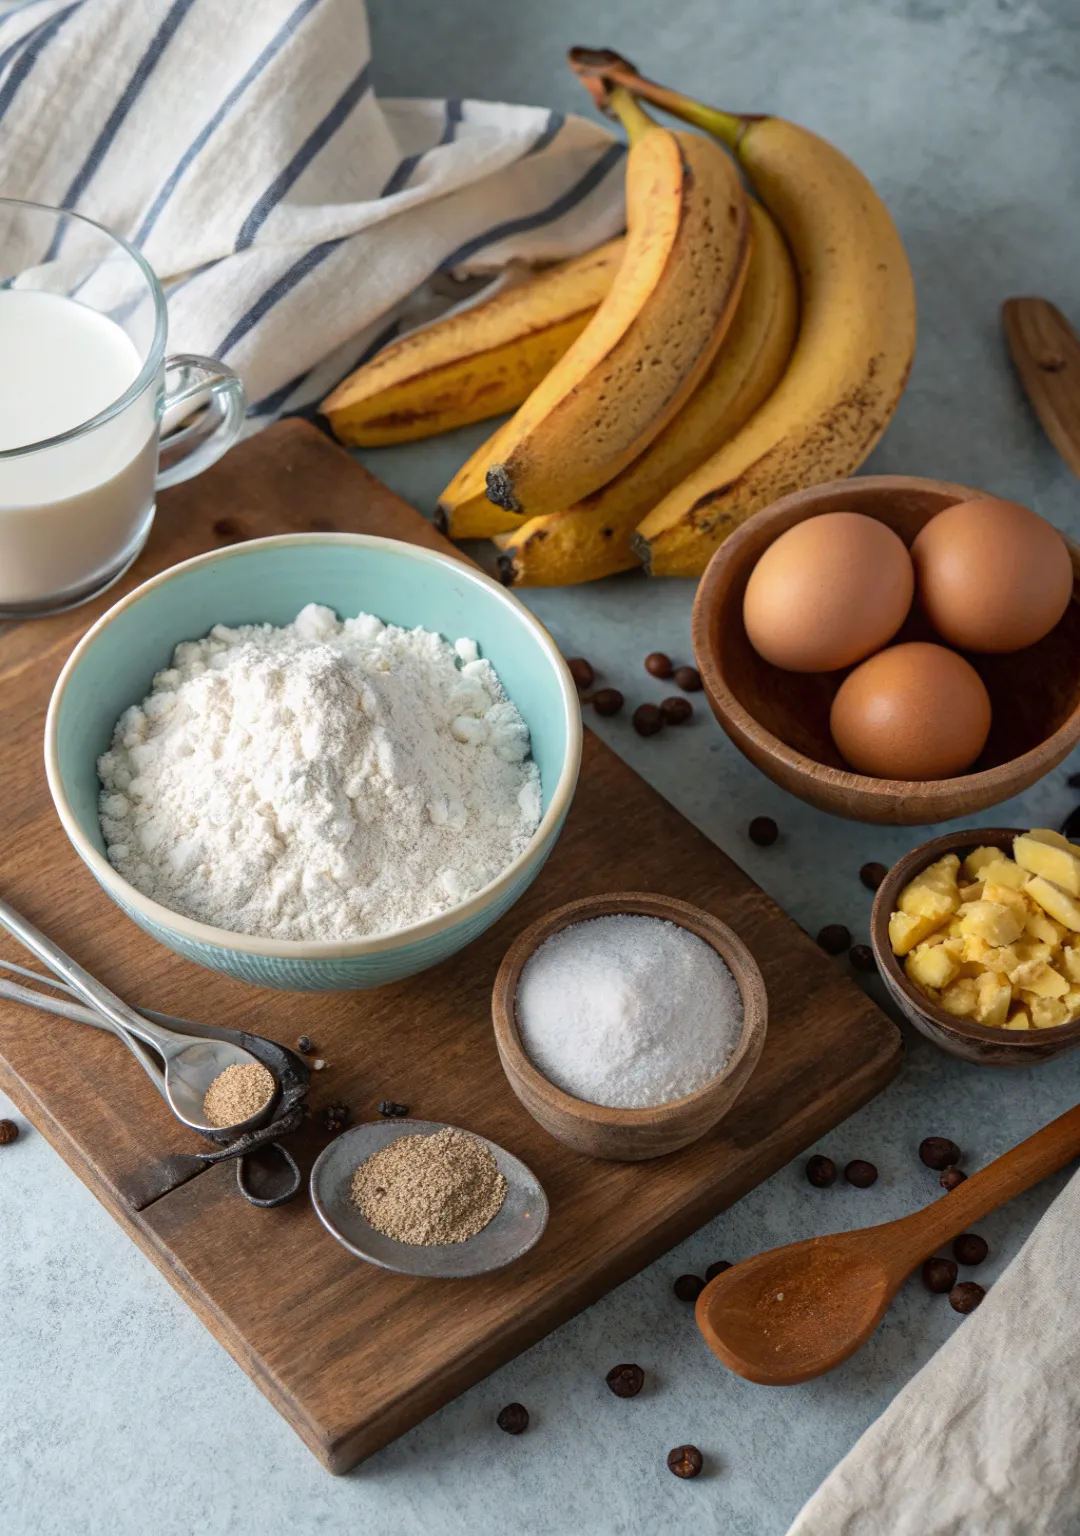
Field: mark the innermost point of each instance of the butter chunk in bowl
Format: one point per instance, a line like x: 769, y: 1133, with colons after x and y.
x: 977, y: 935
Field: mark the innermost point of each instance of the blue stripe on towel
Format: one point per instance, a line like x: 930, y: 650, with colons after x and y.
x: 274, y: 402
x: 318, y: 254
x: 273, y: 47
x: 562, y: 205
x: 21, y: 42
x: 277, y: 290
x: 42, y: 36
x: 551, y: 130
x: 402, y: 172
x: 319, y: 136
x: 102, y: 144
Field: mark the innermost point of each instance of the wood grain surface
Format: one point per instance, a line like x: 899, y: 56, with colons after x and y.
x: 349, y: 1354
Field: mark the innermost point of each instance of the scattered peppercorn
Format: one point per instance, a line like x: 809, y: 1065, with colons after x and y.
x: 336, y: 1117
x: 8, y: 1132
x: 676, y: 710
x: 970, y: 1248
x: 763, y: 831
x: 305, y: 1045
x: 689, y: 1287
x: 684, y: 1461
x: 625, y: 1380
x: 657, y: 664
x: 719, y: 1268
x: 688, y: 679
x: 966, y: 1296
x: 581, y: 671
x: 1073, y: 781
x: 1070, y: 827
x: 939, y: 1152
x: 392, y: 1110
x: 860, y: 1173
x: 647, y: 720
x: 607, y: 701
x: 820, y: 1171
x: 872, y: 875
x: 862, y: 957
x: 834, y: 938
x: 951, y: 1178
x: 514, y: 1419
x: 939, y: 1275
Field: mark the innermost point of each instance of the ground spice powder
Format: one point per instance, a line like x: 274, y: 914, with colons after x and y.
x: 238, y: 1093
x: 430, y: 1189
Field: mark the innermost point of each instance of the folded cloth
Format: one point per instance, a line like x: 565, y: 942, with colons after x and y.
x: 289, y: 213
x: 983, y: 1440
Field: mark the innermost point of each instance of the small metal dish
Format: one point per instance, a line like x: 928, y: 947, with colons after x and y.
x: 515, y: 1230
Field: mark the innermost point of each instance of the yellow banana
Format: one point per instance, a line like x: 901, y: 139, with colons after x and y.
x: 592, y: 539
x: 654, y: 334
x: 463, y: 510
x: 856, y: 337
x: 477, y: 363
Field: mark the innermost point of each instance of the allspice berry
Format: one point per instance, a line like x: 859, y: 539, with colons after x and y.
x: 688, y: 1287
x: 719, y: 1268
x: 657, y: 664
x: 966, y: 1296
x: 647, y: 720
x: 581, y: 671
x: 939, y: 1152
x: 607, y: 701
x: 8, y: 1132
x: 939, y: 1275
x: 872, y: 875
x: 625, y: 1380
x: 860, y: 1173
x: 951, y: 1178
x: 820, y: 1171
x: 763, y: 831
x: 685, y: 1461
x: 514, y: 1419
x: 834, y: 938
x: 676, y: 710
x: 688, y: 679
x: 970, y: 1248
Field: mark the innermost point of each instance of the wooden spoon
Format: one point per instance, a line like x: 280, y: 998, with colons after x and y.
x: 1046, y: 354
x: 793, y: 1313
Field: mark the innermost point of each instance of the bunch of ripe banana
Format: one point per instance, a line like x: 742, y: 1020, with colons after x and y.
x: 729, y: 350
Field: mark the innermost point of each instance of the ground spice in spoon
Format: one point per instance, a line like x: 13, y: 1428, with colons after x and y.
x: 238, y: 1093
x: 425, y: 1190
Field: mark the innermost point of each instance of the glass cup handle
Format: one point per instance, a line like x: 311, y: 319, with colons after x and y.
x: 200, y: 385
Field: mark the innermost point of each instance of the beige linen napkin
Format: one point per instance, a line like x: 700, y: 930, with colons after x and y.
x: 985, y: 1440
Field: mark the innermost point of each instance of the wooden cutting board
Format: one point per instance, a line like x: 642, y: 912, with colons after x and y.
x: 352, y: 1355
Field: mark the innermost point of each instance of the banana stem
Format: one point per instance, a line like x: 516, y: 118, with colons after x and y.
x: 630, y: 113
x: 590, y: 64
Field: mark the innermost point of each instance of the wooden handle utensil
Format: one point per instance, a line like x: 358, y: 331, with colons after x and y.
x: 1046, y: 354
x: 793, y: 1313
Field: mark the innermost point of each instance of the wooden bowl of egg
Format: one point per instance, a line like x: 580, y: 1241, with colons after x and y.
x: 600, y: 1011
x: 977, y: 938
x: 893, y: 649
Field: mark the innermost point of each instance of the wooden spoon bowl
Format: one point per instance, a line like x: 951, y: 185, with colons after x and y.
x: 794, y: 1313
x: 629, y: 1135
x: 780, y: 720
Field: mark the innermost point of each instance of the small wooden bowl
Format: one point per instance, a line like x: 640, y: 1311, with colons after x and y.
x: 780, y: 720
x: 629, y: 1135
x: 980, y: 1043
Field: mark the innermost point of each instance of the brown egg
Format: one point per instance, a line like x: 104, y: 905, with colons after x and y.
x: 914, y: 711
x: 828, y: 592
x: 992, y: 575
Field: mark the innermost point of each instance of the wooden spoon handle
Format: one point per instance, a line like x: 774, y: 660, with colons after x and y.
x: 916, y: 1236
x: 1046, y: 354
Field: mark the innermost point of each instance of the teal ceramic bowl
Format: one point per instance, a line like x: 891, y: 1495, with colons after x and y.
x: 269, y: 581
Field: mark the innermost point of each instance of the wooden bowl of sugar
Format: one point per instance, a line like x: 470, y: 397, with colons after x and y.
x: 558, y: 1014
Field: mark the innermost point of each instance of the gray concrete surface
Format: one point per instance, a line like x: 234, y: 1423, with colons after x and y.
x: 118, y: 1413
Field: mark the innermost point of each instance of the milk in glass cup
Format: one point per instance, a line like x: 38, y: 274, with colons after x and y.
x: 85, y: 391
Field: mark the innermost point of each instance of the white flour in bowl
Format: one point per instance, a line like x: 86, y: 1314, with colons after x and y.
x: 325, y: 780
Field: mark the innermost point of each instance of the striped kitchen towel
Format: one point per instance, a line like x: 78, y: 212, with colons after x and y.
x: 292, y: 215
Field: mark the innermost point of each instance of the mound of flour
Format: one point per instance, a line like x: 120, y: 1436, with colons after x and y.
x: 324, y: 780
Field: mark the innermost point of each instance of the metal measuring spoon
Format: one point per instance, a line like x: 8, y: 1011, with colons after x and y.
x: 191, y: 1064
x: 260, y: 1182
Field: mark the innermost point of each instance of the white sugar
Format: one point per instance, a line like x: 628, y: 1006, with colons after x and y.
x: 628, y: 1011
